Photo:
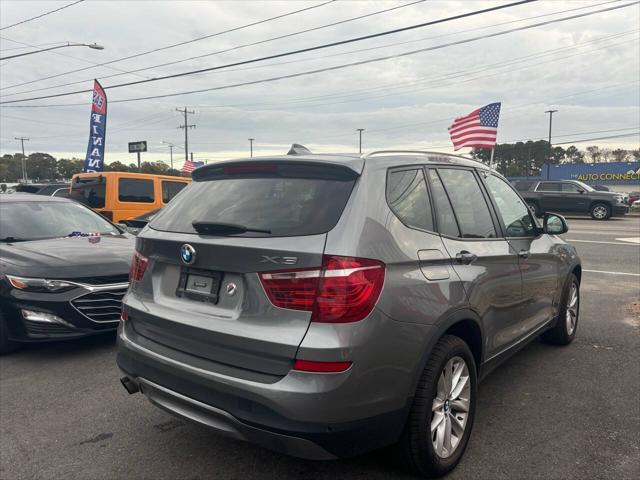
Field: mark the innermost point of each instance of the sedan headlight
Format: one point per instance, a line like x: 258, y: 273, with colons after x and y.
x: 40, y: 284
x: 619, y: 199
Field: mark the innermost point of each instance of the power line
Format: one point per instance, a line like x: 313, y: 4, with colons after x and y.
x: 28, y: 46
x: 333, y: 68
x: 167, y: 47
x: 42, y: 15
x: 304, y: 50
x: 237, y: 47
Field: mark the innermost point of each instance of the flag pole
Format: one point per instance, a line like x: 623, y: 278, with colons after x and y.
x: 491, y: 159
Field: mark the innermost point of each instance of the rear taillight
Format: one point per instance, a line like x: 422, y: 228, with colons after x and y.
x: 344, y: 289
x: 138, y: 266
x: 320, y: 367
x: 123, y: 316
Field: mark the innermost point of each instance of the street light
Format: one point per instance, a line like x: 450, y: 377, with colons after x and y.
x: 93, y: 46
x: 360, y: 130
x: 170, y: 145
x: 550, y: 112
x: 251, y: 146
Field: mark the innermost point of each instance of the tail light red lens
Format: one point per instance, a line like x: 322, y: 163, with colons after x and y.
x: 320, y: 367
x: 344, y: 289
x: 138, y: 266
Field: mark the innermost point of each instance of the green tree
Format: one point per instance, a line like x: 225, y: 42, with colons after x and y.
x: 573, y: 155
x: 67, y: 168
x: 594, y: 152
x: 620, y: 154
x: 41, y: 167
x: 116, y: 167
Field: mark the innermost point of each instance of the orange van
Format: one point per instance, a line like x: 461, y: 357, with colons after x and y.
x: 123, y: 195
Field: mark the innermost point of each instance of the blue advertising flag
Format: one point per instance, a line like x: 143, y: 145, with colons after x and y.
x: 94, y: 161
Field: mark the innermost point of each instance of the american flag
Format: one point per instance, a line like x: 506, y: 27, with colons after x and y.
x: 190, y: 166
x: 478, y: 129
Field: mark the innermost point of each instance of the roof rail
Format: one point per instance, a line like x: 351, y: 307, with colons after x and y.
x: 416, y: 152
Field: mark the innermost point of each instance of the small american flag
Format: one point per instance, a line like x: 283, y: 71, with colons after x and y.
x: 478, y: 129
x: 190, y: 166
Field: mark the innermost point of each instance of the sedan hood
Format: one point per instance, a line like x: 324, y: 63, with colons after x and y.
x: 70, y: 257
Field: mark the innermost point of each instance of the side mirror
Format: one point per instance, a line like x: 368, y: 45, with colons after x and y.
x: 554, y: 224
x: 580, y: 190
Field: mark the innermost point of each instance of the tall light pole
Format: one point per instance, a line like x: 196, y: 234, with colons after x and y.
x: 93, y: 46
x: 24, y: 162
x: 251, y: 147
x: 360, y: 130
x: 170, y: 145
x: 550, y: 112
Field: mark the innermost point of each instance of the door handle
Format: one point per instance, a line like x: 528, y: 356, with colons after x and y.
x: 523, y: 254
x: 465, y: 258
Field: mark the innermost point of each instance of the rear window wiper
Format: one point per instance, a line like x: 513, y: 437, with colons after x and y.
x: 214, y: 228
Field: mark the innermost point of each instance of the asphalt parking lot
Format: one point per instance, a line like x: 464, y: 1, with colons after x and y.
x: 548, y: 412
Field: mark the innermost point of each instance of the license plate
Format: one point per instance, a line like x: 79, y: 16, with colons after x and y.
x: 199, y: 285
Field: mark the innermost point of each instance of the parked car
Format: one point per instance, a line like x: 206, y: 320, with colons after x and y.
x: 633, y: 196
x: 135, y: 225
x: 575, y: 198
x: 49, y: 189
x: 121, y: 195
x: 327, y: 305
x: 63, y: 270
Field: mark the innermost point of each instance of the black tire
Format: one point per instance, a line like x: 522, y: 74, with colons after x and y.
x: 536, y: 209
x: 562, y: 333
x: 6, y: 345
x: 600, y: 211
x: 418, y: 450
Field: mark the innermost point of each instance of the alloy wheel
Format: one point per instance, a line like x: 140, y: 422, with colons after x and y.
x: 600, y: 212
x: 450, y: 408
x: 573, y: 302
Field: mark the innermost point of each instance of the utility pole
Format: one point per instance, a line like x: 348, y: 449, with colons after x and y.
x: 192, y: 156
x: 360, y: 130
x: 550, y: 112
x: 24, y: 159
x: 251, y: 146
x: 186, y: 127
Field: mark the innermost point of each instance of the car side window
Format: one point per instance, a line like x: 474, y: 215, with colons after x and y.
x: 570, y: 188
x: 135, y: 190
x: 171, y: 189
x: 446, y: 219
x: 513, y: 211
x: 468, y: 202
x: 549, y: 187
x: 408, y: 198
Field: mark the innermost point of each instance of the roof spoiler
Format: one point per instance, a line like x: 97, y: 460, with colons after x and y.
x: 297, y: 149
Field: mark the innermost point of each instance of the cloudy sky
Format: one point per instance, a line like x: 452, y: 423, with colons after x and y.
x: 587, y: 68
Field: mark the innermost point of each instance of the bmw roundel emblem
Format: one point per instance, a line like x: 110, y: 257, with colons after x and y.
x: 187, y: 254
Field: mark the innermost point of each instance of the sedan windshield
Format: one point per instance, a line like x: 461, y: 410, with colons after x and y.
x: 21, y: 221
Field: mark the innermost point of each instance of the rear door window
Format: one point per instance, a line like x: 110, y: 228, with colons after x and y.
x: 135, y: 190
x: 549, y: 187
x: 171, y: 189
x: 468, y: 202
x: 90, y: 191
x: 408, y: 198
x: 284, y: 200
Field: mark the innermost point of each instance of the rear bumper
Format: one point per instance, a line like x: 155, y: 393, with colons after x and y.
x: 283, y: 415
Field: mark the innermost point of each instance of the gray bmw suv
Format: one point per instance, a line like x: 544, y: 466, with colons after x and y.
x: 327, y: 305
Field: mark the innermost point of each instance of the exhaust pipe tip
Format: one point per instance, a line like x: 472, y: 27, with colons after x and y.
x: 129, y: 385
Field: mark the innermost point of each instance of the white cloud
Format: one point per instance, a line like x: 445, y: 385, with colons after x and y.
x: 409, y: 102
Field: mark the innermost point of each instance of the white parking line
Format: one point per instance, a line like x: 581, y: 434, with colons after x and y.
x: 613, y: 273
x: 596, y: 241
x: 630, y: 239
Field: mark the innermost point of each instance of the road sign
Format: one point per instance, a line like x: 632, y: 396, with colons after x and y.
x: 138, y: 146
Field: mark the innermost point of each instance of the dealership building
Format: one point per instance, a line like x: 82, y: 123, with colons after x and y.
x: 617, y: 176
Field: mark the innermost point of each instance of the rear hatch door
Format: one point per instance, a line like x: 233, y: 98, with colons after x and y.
x: 202, y: 294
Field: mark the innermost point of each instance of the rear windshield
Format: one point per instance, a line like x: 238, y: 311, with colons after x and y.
x: 90, y: 191
x: 284, y: 206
